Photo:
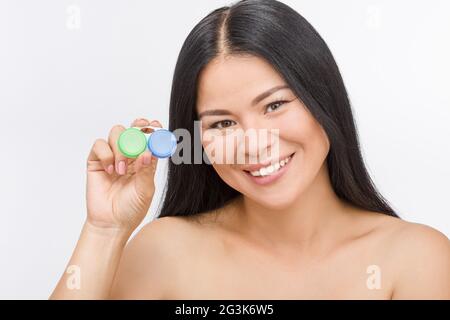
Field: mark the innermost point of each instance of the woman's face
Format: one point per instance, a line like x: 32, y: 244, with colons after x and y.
x: 230, y: 111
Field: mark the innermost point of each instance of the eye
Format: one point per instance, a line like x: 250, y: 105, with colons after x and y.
x: 274, y: 106
x: 222, y: 124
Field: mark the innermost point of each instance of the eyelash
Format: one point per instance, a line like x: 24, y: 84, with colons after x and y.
x: 280, y: 102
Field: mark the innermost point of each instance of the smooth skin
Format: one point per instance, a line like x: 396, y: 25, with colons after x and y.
x: 292, y: 239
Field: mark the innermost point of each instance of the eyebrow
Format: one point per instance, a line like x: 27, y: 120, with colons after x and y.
x: 260, y: 97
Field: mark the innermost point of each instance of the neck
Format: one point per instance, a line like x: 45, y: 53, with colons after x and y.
x: 313, y: 221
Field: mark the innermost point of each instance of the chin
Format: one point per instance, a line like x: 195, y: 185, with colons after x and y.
x: 275, y: 201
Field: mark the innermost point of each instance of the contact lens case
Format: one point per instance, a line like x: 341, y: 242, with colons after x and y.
x: 162, y: 143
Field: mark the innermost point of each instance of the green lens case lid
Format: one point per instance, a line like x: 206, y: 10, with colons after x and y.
x: 132, y: 142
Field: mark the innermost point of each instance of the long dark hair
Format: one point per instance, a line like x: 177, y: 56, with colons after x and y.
x: 275, y: 32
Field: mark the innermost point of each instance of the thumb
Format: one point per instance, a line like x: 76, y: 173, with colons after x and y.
x: 145, y: 175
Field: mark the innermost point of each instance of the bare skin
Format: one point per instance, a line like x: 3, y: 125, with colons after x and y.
x: 292, y: 238
x: 217, y: 256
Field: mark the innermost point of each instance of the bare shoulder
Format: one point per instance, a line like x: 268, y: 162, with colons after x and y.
x: 420, y: 257
x: 415, y: 240
x: 409, y: 239
x: 173, y: 227
x: 414, y: 258
x: 153, y: 259
x: 400, y: 233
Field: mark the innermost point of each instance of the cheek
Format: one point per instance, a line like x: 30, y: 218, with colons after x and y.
x: 300, y: 128
x: 220, y: 148
x: 229, y: 175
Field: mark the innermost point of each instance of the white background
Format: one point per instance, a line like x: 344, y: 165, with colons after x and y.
x: 62, y: 85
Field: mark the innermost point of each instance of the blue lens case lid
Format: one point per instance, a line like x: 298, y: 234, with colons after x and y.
x: 162, y: 143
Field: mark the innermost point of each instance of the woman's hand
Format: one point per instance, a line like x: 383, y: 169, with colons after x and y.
x: 119, y: 193
x: 119, y: 190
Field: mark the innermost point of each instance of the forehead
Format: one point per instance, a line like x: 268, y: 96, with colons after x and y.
x: 234, y: 78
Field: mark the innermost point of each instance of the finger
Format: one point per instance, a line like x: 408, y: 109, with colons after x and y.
x: 140, y: 122
x: 156, y: 123
x: 143, y: 160
x: 101, y: 151
x: 120, y: 161
x: 146, y: 158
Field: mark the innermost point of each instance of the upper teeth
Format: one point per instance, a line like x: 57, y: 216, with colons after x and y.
x: 270, y: 169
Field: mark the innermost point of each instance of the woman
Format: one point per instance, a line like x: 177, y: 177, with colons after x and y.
x: 306, y: 223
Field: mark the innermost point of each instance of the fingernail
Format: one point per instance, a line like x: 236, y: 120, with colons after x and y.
x: 121, y: 167
x: 147, y: 159
x: 110, y: 169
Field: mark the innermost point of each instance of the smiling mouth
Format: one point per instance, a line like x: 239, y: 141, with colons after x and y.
x: 270, y: 169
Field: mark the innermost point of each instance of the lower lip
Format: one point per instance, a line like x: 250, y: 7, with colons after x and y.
x: 270, y: 178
